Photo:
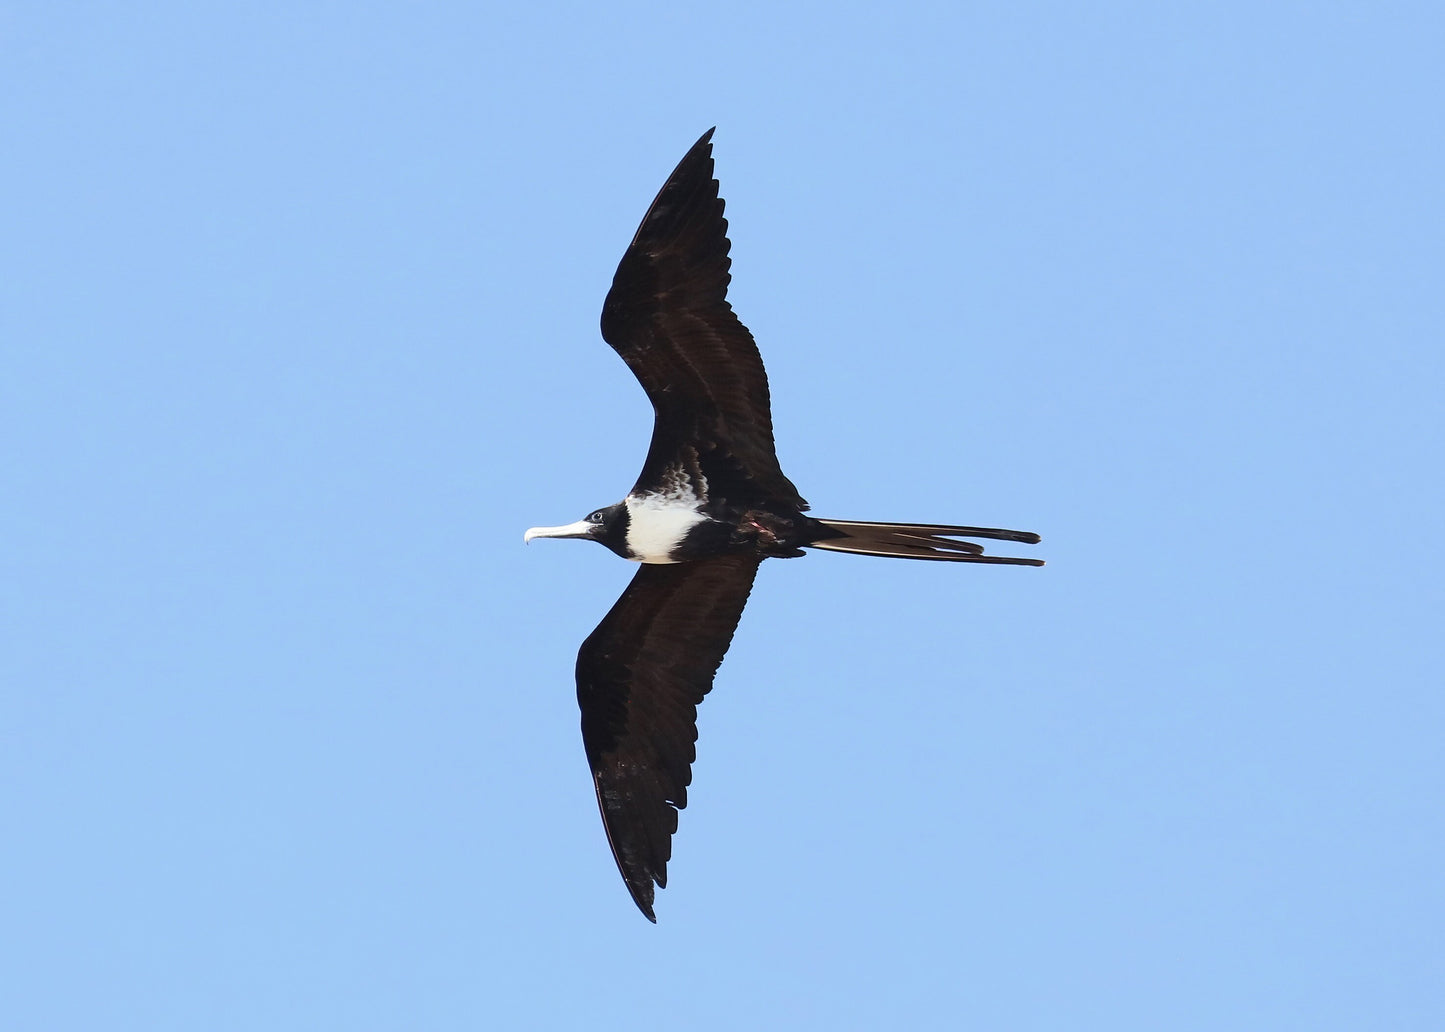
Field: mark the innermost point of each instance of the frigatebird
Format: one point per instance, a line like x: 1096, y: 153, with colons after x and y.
x: 710, y: 505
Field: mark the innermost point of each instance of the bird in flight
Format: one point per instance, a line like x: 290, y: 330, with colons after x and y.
x: 710, y: 505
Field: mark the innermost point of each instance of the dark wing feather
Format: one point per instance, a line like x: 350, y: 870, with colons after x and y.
x: 667, y: 315
x: 640, y: 677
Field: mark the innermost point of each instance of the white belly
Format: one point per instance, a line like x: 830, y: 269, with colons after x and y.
x: 655, y: 528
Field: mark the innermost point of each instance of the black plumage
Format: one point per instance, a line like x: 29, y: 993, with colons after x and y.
x: 640, y: 677
x: 710, y: 504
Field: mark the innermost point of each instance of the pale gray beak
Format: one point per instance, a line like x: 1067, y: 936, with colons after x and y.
x: 580, y: 529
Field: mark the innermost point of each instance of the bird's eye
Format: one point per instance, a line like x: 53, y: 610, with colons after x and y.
x: 596, y: 517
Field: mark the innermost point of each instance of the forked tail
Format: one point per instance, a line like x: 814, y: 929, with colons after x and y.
x: 922, y: 541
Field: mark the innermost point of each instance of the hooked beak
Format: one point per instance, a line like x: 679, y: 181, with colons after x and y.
x: 580, y: 529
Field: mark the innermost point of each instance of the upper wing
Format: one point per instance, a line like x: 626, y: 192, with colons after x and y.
x: 640, y: 677
x: 667, y: 315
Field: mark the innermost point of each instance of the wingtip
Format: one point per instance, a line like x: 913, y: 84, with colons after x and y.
x: 642, y: 895
x: 643, y: 899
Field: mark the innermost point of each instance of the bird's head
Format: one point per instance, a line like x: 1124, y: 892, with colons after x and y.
x: 606, y: 526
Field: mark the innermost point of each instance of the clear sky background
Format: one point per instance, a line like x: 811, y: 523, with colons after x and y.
x: 298, y: 332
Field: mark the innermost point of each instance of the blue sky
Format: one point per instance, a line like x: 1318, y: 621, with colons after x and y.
x: 298, y: 332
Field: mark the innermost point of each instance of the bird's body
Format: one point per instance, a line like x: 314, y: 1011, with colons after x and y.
x: 686, y: 528
x: 710, y: 505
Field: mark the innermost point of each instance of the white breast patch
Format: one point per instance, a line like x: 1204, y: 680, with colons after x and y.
x: 657, y: 525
